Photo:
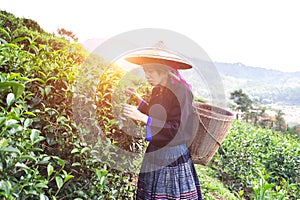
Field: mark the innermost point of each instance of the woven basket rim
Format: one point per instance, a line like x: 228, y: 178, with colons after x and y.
x: 224, y: 115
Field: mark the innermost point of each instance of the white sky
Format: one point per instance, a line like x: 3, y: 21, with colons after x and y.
x: 259, y: 33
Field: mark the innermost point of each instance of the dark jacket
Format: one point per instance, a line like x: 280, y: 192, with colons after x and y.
x: 172, y: 115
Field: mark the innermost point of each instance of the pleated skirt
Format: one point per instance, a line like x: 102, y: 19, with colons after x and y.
x: 168, y: 173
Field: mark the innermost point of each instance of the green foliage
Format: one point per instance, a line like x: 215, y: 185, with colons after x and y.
x: 293, y: 130
x: 63, y: 135
x: 202, y: 100
x: 110, y: 94
x: 280, y: 124
x: 264, y: 190
x: 247, y: 150
x: 43, y: 152
x: 13, y: 23
x: 22, y: 158
x: 242, y: 101
x: 211, y: 186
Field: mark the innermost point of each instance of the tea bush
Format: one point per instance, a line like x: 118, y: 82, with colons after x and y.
x: 250, y: 155
x: 43, y: 150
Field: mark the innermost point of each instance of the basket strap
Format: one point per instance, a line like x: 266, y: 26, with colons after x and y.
x: 208, y: 131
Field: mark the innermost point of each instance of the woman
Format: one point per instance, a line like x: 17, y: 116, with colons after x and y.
x: 167, y: 170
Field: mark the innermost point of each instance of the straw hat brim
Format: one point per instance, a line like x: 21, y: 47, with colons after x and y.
x: 155, y: 57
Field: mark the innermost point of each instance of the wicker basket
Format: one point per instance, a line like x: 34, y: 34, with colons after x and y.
x: 214, y: 123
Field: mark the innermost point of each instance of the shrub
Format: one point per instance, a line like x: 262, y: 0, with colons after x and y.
x: 247, y: 150
x: 44, y: 153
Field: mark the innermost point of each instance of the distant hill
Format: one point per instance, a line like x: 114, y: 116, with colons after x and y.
x: 240, y: 71
x: 265, y: 85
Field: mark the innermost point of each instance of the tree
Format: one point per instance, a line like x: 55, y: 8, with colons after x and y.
x: 242, y: 101
x: 280, y: 124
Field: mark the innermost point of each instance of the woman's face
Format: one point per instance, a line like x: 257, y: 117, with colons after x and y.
x: 155, y: 77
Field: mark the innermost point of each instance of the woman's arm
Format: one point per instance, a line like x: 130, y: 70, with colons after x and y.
x: 133, y: 94
x: 133, y: 113
x: 143, y: 105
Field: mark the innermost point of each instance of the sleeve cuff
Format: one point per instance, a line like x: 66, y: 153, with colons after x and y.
x: 141, y: 104
x: 148, y: 129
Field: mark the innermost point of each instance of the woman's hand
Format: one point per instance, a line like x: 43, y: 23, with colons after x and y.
x: 132, y: 93
x: 133, y: 113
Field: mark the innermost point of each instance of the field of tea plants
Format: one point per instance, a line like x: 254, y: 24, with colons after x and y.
x: 61, y: 130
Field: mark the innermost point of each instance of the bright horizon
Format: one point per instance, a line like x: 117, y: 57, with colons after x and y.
x: 255, y: 33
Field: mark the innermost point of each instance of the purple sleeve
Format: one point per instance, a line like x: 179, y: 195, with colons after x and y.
x: 141, y: 105
x: 148, y: 130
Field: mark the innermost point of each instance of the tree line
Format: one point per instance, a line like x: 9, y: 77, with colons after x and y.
x: 255, y: 113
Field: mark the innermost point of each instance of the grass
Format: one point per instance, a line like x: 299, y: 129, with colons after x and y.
x: 212, y: 188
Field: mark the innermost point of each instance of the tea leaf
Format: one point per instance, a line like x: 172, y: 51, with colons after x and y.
x: 3, y: 143
x: 10, y: 99
x: 27, y: 122
x: 23, y: 166
x: 11, y: 149
x: 5, y: 33
x: 34, y: 136
x: 43, y: 197
x: 50, y: 169
x: 29, y: 113
x: 68, y: 177
x: 59, y: 182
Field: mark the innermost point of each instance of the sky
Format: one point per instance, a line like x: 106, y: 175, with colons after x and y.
x: 258, y: 33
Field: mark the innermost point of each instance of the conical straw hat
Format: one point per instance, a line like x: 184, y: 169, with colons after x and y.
x: 158, y: 55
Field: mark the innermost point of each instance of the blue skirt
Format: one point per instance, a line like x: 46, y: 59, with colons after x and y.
x: 168, y: 173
